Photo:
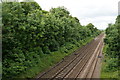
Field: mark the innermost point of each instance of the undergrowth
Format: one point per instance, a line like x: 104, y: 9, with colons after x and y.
x: 49, y: 60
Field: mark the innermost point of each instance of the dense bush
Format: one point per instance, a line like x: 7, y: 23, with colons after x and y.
x: 29, y: 32
x: 112, y: 41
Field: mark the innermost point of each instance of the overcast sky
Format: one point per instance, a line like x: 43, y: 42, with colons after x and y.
x: 98, y: 12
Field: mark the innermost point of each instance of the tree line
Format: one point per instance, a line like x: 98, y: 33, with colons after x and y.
x: 112, y: 46
x: 29, y: 32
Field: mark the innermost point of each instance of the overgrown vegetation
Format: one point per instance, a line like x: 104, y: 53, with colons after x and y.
x: 0, y: 67
x: 112, y: 51
x: 34, y: 39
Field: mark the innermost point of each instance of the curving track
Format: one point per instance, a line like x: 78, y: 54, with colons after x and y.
x: 79, y: 65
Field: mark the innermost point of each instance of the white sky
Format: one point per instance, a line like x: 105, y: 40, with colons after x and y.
x: 98, y: 12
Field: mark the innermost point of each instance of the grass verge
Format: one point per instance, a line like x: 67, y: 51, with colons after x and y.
x: 105, y: 73
x: 0, y: 70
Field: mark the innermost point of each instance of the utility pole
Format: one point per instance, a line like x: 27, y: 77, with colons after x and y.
x: 119, y: 8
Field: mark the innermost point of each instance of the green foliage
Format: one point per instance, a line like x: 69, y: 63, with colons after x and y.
x: 112, y: 40
x: 48, y: 60
x: 30, y: 34
x: 92, y: 28
x: 111, y: 65
x: 111, y: 50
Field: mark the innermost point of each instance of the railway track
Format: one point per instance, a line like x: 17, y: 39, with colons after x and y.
x: 80, y: 64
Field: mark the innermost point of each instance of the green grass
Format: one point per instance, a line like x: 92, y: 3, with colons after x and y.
x: 0, y: 69
x: 104, y: 72
x: 108, y: 74
x: 49, y: 60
